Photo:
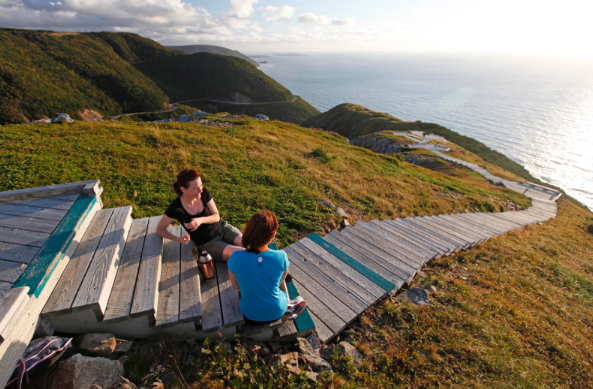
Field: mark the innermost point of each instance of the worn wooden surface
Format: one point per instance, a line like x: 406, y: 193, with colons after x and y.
x: 149, y: 273
x: 17, y: 253
x: 211, y: 310
x: 122, y: 293
x: 28, y: 223
x: 168, y: 308
x: 73, y: 186
x: 9, y: 305
x: 229, y: 297
x: 10, y: 271
x: 190, y: 303
x: 67, y: 287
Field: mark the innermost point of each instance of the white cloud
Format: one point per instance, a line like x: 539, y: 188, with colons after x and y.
x: 321, y: 20
x: 275, y: 14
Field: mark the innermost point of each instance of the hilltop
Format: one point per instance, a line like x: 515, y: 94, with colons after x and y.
x: 44, y: 72
x: 351, y: 121
x: 192, y: 49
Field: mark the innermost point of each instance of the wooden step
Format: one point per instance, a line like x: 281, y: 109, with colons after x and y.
x: 438, y: 232
x: 443, y: 247
x: 65, y: 291
x: 470, y: 240
x: 371, y: 260
x: 146, y: 292
x: 406, y: 248
x: 430, y: 234
x: 460, y: 230
x: 11, y: 308
x: 408, y: 239
x: 93, y: 293
x: 119, y: 305
x: 167, y: 313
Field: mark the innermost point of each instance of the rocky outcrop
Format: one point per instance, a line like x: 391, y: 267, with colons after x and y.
x: 263, y: 117
x: 62, y: 118
x: 98, y: 344
x: 379, y: 144
x: 89, y: 115
x: 80, y: 372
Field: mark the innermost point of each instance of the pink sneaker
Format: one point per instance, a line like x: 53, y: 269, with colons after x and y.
x: 295, y: 307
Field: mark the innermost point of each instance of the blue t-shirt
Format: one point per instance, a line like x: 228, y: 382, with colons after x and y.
x: 259, y: 276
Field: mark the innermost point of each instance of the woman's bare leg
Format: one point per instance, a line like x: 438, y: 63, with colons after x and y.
x: 228, y: 250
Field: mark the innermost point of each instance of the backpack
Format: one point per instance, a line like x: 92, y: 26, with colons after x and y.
x: 40, y: 355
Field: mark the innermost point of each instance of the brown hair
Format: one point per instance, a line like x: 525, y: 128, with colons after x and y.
x: 259, y: 231
x: 184, y: 178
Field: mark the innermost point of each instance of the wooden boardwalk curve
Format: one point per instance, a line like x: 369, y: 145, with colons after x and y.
x: 119, y: 276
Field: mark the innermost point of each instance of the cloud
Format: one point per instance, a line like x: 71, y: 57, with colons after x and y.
x: 321, y: 20
x: 275, y: 14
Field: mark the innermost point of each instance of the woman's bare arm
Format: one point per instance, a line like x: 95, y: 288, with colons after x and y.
x: 161, y: 229
x: 234, y: 281
x: 282, y: 285
x: 198, y: 221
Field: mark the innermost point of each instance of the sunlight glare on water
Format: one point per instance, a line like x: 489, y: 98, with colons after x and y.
x: 536, y: 111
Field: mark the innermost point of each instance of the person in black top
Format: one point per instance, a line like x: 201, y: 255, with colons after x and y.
x: 195, y: 210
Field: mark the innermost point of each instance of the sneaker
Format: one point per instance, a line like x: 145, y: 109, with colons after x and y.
x: 296, y: 306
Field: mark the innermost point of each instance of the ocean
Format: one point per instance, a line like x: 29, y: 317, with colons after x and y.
x: 537, y: 111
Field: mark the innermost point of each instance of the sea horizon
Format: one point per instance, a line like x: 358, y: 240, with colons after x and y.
x: 535, y: 109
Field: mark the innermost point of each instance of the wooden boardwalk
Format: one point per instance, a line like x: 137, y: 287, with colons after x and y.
x: 77, y: 268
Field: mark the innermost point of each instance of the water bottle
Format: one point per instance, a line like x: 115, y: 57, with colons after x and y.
x: 206, y: 267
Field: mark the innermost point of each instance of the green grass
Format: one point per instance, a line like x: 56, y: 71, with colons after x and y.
x: 254, y: 165
x: 353, y: 120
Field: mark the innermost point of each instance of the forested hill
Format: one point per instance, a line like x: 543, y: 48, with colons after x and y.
x: 192, y: 49
x: 44, y: 72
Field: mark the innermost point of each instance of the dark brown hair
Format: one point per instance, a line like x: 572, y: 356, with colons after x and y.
x: 259, y: 231
x: 184, y: 178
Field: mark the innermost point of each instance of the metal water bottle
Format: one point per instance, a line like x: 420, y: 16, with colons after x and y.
x: 206, y: 267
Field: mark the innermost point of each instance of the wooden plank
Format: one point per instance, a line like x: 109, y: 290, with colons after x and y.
x: 168, y: 308
x: 425, y: 221
x: 122, y: 293
x: 330, y: 300
x: 34, y: 212
x: 461, y: 227
x: 10, y: 271
x: 303, y: 322
x: 376, y: 278
x: 350, y: 299
x: 454, y: 229
x: 397, y: 280
x: 190, y: 302
x: 5, y: 287
x: 96, y: 287
x: 67, y: 287
x: 17, y: 253
x: 39, y: 271
x: 345, y: 269
x: 324, y: 332
x: 229, y: 297
x: 211, y: 310
x: 433, y: 232
x: 381, y: 245
x: 40, y: 202
x: 407, y: 239
x: 28, y: 223
x: 316, y: 307
x: 373, y: 230
x: 404, y: 230
x: 287, y: 329
x: 407, y: 269
x: 21, y: 237
x: 63, y: 196
x: 9, y: 305
x: 46, y: 189
x: 336, y: 275
x: 149, y: 273
x: 449, y: 246
x: 474, y: 222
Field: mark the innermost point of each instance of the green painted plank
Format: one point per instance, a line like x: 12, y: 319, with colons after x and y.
x: 303, y: 321
x: 39, y: 271
x: 353, y: 263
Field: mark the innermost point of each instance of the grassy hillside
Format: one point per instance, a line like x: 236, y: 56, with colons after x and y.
x: 43, y: 72
x: 297, y: 111
x: 212, y: 76
x: 254, y: 165
x: 353, y: 120
x: 192, y: 49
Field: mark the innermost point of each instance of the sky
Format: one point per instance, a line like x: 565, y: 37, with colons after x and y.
x: 557, y: 28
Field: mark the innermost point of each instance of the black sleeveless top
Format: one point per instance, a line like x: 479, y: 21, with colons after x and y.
x: 205, y: 232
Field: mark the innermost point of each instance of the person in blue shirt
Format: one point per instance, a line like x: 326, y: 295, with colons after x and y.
x: 259, y: 273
